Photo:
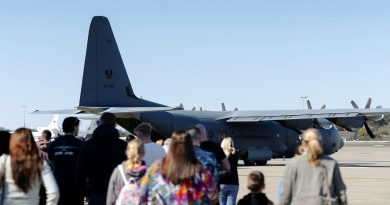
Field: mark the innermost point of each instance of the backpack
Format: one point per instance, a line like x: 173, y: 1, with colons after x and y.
x: 130, y: 193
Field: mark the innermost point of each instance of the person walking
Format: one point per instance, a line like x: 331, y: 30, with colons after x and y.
x: 313, y: 177
x: 133, y: 169
x: 228, y: 181
x: 153, y: 151
x: 213, y: 147
x: 98, y: 158
x: 63, y: 154
x: 23, y: 171
x: 179, y: 178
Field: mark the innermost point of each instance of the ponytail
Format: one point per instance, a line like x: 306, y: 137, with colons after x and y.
x: 135, y: 152
x: 312, y: 142
x: 315, y: 152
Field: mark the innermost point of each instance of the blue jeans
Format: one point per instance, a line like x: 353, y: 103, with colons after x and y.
x: 228, y: 194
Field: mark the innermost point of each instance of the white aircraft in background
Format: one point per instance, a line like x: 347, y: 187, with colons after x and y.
x: 52, y: 127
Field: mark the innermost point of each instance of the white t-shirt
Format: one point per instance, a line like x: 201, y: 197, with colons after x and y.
x: 153, y: 152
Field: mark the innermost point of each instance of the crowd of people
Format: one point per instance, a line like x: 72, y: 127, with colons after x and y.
x: 186, y: 168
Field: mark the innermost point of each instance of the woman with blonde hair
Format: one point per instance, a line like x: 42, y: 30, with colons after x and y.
x: 228, y: 182
x: 131, y: 170
x: 313, y: 177
x: 23, y: 172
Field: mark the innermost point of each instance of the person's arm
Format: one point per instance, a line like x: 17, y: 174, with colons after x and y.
x: 50, y: 184
x: 287, y: 186
x: 111, y: 194
x: 222, y: 159
x: 225, y: 164
x: 339, y: 186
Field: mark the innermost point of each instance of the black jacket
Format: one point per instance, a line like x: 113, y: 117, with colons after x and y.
x: 255, y: 199
x: 98, y: 158
x: 63, y: 154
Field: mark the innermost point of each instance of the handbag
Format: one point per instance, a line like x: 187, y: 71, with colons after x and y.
x: 2, y: 180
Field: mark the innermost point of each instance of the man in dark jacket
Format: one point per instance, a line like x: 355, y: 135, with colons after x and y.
x: 99, y: 156
x: 63, y: 153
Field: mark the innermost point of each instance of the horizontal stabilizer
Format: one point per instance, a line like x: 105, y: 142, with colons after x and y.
x: 53, y: 112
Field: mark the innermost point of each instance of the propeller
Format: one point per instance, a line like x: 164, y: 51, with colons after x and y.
x: 368, y: 104
x: 369, y: 132
x: 310, y: 107
x: 193, y: 108
x: 181, y: 106
x: 223, y: 107
x: 370, y: 118
x: 236, y: 109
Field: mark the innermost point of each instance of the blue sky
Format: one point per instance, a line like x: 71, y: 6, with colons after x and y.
x: 249, y: 54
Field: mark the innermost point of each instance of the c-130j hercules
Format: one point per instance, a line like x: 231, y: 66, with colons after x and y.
x: 259, y: 135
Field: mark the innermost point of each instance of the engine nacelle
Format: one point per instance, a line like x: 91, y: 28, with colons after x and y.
x: 259, y: 154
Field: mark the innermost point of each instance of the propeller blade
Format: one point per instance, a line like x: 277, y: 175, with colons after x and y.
x: 309, y: 105
x: 194, y: 108
x: 236, y: 109
x: 201, y: 109
x: 369, y: 132
x: 181, y: 106
x: 378, y: 107
x: 223, y: 107
x: 355, y: 106
x: 323, y: 106
x: 368, y: 105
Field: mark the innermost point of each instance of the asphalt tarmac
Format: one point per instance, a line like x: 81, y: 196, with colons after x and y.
x: 365, y: 168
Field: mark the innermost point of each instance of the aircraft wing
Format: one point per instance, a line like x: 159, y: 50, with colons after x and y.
x: 270, y: 115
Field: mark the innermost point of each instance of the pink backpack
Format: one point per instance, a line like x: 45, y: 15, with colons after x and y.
x: 130, y: 193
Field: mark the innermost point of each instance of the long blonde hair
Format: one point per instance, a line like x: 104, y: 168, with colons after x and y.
x: 312, y: 141
x: 227, y: 145
x: 135, y: 152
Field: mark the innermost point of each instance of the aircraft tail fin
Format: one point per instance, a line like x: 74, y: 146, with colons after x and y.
x: 105, y: 80
x: 54, y: 122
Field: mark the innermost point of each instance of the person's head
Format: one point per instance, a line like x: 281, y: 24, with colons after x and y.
x: 167, y: 142
x: 180, y: 163
x: 46, y: 135
x: 143, y: 130
x: 203, y: 132
x: 135, y: 152
x: 227, y: 145
x: 256, y: 181
x: 70, y: 126
x: 178, y: 133
x: 4, y: 142
x: 25, y: 160
x: 160, y: 142
x: 311, y: 142
x: 196, y: 135
x: 108, y: 118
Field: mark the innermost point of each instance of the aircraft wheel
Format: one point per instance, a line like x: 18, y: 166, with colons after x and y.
x: 261, y: 162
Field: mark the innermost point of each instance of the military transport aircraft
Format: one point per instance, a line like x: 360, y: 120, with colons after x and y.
x: 259, y: 135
